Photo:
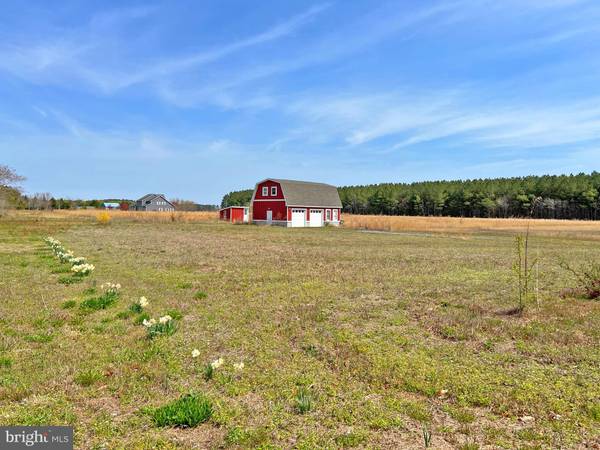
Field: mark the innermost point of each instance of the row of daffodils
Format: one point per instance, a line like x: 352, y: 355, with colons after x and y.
x: 79, y: 265
x: 162, y: 326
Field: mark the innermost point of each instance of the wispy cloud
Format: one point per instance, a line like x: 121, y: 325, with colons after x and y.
x: 82, y: 54
x: 419, y: 117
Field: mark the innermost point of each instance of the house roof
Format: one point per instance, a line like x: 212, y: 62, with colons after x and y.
x: 150, y: 197
x: 307, y: 193
x: 233, y: 207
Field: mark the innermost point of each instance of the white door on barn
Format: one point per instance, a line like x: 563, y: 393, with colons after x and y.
x: 269, y: 216
x: 246, y: 214
x: 316, y: 217
x: 298, y: 216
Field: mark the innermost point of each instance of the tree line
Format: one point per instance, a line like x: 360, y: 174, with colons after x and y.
x: 547, y: 196
x: 11, y: 196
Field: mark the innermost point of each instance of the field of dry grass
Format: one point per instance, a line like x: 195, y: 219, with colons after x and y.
x: 135, y: 216
x: 454, y: 225
x: 387, y: 336
x: 577, y: 228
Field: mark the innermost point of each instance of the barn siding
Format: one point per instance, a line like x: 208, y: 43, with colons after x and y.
x: 259, y: 210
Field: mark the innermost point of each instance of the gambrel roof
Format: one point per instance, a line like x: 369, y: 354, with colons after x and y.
x: 307, y: 193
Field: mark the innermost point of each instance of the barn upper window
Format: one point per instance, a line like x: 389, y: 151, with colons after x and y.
x: 273, y: 191
x: 265, y: 191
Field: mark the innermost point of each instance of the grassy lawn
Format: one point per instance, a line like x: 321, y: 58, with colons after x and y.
x: 348, y: 339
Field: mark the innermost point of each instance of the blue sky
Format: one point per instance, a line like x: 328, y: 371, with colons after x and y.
x: 195, y: 99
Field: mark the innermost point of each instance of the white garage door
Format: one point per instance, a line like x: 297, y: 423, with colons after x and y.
x: 316, y: 217
x: 298, y: 217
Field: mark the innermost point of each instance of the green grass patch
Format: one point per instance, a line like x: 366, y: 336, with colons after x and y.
x: 100, y: 302
x: 61, y: 269
x: 5, y: 362
x: 351, y: 439
x: 140, y: 318
x: 187, y: 411
x: 200, y: 295
x: 136, y: 308
x: 175, y: 314
x: 41, y: 338
x: 247, y: 437
x: 459, y: 414
x: 68, y: 304
x: 87, y: 377
x: 124, y: 314
x: 304, y: 400
x: 162, y: 329
x: 69, y: 279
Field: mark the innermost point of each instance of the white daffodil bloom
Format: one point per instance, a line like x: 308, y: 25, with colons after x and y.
x: 83, y: 268
x: 144, y: 302
x: 195, y: 353
x: 217, y: 363
x: 239, y: 366
x: 165, y: 319
x: 148, y: 323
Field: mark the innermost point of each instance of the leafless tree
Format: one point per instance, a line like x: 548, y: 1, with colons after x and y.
x: 39, y: 200
x: 8, y: 180
x: 9, y: 177
x: 184, y: 205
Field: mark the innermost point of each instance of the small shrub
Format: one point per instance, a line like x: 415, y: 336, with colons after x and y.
x: 200, y: 295
x: 87, y: 377
x: 303, y: 400
x: 187, y: 411
x: 68, y: 304
x: 5, y: 362
x: 588, y: 279
x: 523, y: 270
x: 101, y: 302
x: 103, y: 218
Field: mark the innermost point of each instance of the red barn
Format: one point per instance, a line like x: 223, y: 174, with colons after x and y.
x: 292, y: 203
x: 234, y: 214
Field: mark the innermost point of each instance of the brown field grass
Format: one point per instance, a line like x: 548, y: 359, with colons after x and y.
x: 581, y: 228
x: 136, y: 216
x: 387, y: 333
x: 578, y: 228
